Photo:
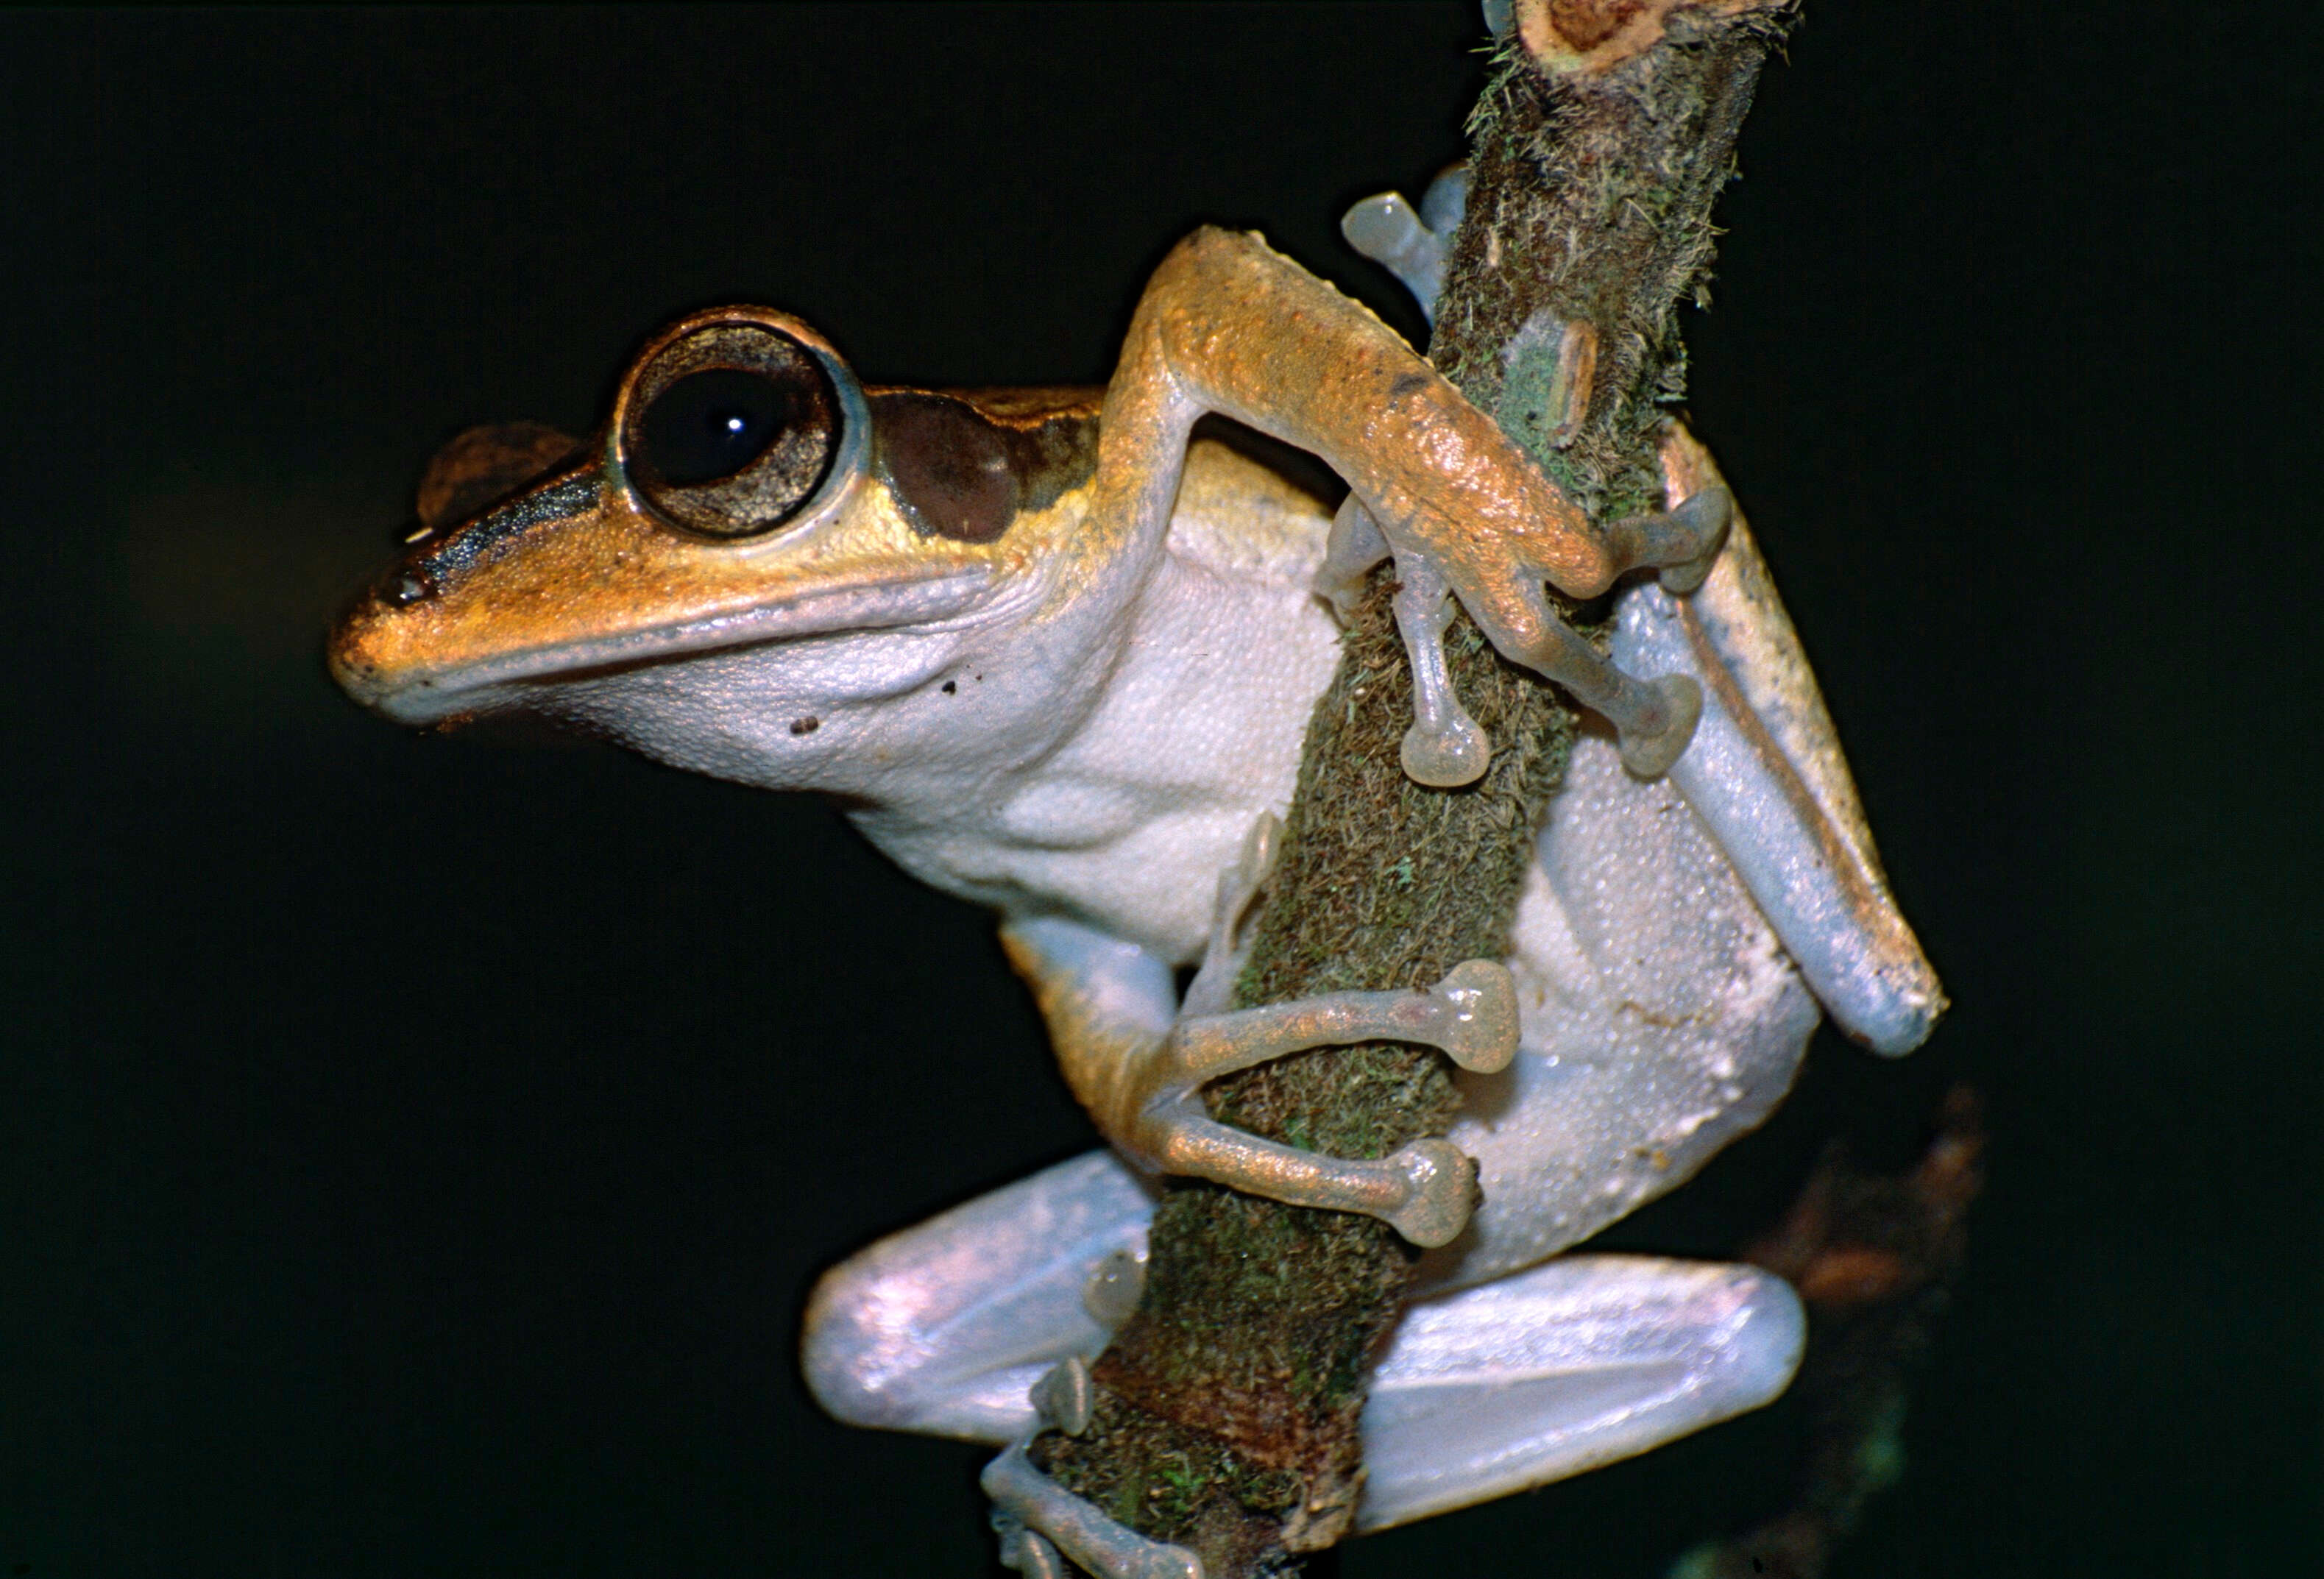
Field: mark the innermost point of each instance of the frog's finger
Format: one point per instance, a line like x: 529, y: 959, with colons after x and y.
x: 1767, y: 778
x: 1413, y: 245
x: 1653, y: 719
x: 1391, y: 232
x: 1444, y: 747
x: 1138, y: 1063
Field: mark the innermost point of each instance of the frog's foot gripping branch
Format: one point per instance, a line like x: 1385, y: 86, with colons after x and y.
x: 1423, y: 1190
x: 972, y: 1326
x: 1653, y: 719
x: 1036, y: 1519
x: 1138, y: 1059
x: 1228, y: 324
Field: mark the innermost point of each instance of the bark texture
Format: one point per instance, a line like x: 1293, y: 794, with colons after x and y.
x: 1227, y: 1404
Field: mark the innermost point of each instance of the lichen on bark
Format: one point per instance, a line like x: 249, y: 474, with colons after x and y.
x: 1227, y: 1404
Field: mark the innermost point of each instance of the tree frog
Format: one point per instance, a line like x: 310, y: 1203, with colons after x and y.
x: 1055, y: 657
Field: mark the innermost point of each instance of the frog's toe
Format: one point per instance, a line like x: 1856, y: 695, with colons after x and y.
x: 1387, y: 230
x: 1653, y: 719
x: 1701, y: 525
x: 1446, y: 754
x: 1027, y: 1551
x: 1483, y: 997
x: 1440, y: 1193
x: 1446, y: 201
x: 1354, y: 544
x: 1115, y: 1286
x: 1033, y: 1512
x: 1685, y: 578
x: 1066, y: 1394
x: 1444, y: 748
x: 1658, y: 738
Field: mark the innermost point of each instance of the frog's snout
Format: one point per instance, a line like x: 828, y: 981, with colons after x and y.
x: 351, y: 653
x: 371, y: 651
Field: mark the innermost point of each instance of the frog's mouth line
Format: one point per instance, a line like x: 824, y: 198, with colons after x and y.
x: 429, y: 696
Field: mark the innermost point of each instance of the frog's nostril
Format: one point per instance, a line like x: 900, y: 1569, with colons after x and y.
x: 408, y: 587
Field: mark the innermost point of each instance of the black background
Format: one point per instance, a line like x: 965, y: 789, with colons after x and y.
x: 414, y: 1151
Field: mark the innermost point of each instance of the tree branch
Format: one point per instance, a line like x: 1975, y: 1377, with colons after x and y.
x: 1227, y: 1405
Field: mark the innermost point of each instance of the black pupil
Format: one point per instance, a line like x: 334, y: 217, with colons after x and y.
x: 712, y: 424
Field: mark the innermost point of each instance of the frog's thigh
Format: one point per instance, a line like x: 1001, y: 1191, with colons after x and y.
x: 1576, y: 1364
x: 942, y: 1328
x: 1767, y: 777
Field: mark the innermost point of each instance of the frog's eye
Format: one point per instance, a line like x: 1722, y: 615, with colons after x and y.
x: 730, y: 430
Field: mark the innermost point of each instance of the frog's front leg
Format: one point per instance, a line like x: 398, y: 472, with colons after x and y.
x: 1227, y: 324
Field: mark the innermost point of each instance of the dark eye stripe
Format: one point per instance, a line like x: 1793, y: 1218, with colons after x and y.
x: 485, y: 538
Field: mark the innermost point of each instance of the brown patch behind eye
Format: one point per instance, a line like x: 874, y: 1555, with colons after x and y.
x: 962, y: 473
x: 486, y: 464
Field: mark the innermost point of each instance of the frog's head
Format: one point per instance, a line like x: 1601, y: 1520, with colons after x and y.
x: 753, y: 541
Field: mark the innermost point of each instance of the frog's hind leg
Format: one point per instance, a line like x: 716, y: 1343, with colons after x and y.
x: 944, y: 1328
x: 954, y: 1327
x: 978, y: 1324
x: 1766, y: 777
x: 1575, y: 1363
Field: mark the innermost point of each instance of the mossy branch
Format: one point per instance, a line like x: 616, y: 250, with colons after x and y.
x: 1227, y: 1404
